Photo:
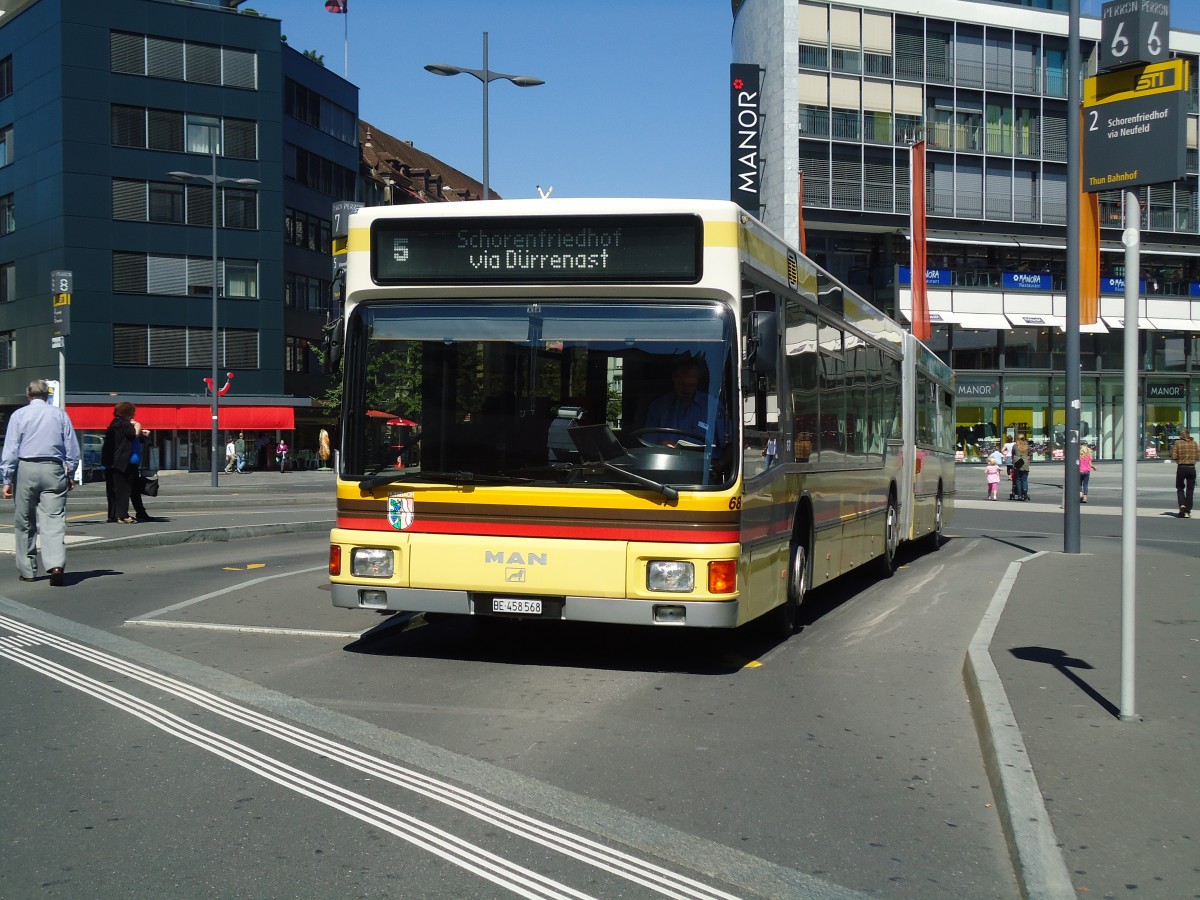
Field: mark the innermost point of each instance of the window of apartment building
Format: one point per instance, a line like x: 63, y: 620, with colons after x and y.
x: 311, y: 108
x: 8, y: 350
x: 8, y: 282
x: 1027, y: 64
x: 8, y: 219
x: 845, y: 114
x: 304, y: 292
x: 997, y: 188
x: 1054, y: 131
x: 298, y: 356
x: 998, y: 115
x: 165, y: 129
x: 6, y: 77
x: 847, y: 170
x: 182, y: 276
x: 1055, y: 57
x: 939, y: 52
x: 968, y: 123
x: 168, y: 346
x: 164, y: 202
x: 317, y: 172
x: 1054, y: 195
x: 910, y: 49
x: 968, y: 56
x: 877, y: 112
x: 814, y: 164
x: 998, y: 59
x: 877, y: 44
x: 845, y: 37
x: 878, y: 192
x: 311, y: 232
x: 159, y: 57
x: 6, y: 145
x: 814, y: 105
x: 814, y: 35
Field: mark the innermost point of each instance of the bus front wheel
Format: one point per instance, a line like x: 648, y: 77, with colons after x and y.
x: 788, y: 615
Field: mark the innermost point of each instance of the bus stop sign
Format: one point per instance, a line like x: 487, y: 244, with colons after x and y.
x: 1135, y: 126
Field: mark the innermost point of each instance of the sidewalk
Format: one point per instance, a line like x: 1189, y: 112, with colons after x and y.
x: 1093, y: 805
x: 188, y: 509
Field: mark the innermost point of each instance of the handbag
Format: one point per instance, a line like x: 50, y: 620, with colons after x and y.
x: 149, y: 484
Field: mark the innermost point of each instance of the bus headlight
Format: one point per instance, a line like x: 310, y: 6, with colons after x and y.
x: 371, y: 562
x: 670, y: 575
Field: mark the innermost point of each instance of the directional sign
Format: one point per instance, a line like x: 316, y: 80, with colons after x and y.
x: 1135, y: 126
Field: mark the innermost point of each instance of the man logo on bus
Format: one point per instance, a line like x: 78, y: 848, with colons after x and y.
x: 400, y: 511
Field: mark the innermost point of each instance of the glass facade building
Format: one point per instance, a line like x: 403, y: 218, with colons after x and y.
x: 847, y: 88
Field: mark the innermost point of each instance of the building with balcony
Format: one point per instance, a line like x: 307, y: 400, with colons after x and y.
x: 848, y: 87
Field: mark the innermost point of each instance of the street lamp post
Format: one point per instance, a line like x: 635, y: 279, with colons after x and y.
x: 215, y: 180
x: 487, y: 76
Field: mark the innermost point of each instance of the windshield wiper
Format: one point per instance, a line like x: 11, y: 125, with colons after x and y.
x: 658, y: 487
x: 459, y: 476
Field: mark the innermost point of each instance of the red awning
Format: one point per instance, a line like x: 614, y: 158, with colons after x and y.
x: 157, y: 417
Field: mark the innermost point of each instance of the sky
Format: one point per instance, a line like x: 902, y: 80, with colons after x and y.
x: 634, y: 104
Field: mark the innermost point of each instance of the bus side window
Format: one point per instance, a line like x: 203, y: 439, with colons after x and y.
x: 763, y: 444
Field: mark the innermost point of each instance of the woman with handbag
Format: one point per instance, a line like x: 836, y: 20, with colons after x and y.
x: 117, y: 456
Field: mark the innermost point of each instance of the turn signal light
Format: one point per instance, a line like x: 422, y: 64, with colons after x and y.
x: 722, y: 576
x: 335, y: 559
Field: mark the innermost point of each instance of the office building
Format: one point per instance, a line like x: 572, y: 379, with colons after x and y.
x: 848, y: 87
x: 113, y: 117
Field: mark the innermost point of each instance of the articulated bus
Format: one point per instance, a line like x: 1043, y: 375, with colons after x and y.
x: 647, y: 412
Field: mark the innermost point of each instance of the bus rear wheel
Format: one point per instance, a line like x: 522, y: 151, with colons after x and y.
x: 934, y: 540
x: 886, y: 564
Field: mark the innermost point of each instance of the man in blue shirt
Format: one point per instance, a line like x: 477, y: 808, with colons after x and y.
x: 686, y: 409
x: 40, y: 453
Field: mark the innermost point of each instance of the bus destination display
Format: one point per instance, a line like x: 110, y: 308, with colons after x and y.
x: 558, y: 249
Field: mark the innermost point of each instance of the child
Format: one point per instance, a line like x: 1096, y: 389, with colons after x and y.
x: 1086, y: 464
x: 993, y: 479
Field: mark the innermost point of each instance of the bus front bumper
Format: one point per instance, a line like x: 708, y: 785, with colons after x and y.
x: 625, y: 611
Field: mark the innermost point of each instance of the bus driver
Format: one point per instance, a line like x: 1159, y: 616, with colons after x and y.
x: 685, y: 409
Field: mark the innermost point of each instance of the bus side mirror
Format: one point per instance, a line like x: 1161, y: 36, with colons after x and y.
x: 334, y: 340
x: 762, y: 342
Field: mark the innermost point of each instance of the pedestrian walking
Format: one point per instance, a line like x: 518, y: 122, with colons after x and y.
x: 1086, y: 464
x: 230, y: 455
x: 40, y: 453
x: 240, y: 451
x: 993, y: 479
x: 1185, y: 453
x: 1022, y: 456
x: 281, y: 452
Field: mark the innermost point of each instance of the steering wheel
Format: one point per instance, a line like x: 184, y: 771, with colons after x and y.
x: 640, y: 433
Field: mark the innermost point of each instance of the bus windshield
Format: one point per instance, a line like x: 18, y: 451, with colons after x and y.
x: 604, y: 392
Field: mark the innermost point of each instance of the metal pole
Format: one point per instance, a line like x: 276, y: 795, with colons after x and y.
x: 1071, y: 424
x: 487, y: 194
x: 215, y: 387
x: 1132, y: 435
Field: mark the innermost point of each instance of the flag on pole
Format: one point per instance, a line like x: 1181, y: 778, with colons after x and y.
x: 920, y: 269
x: 337, y: 6
x: 800, y: 214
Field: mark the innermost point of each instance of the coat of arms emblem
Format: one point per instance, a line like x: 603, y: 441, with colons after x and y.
x: 400, y: 511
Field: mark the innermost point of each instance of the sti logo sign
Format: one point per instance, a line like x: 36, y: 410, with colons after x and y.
x: 745, y: 136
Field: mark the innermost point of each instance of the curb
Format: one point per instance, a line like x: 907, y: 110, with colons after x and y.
x: 204, y: 535
x: 1032, y: 845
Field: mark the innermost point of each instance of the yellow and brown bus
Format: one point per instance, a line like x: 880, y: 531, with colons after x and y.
x: 647, y: 412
